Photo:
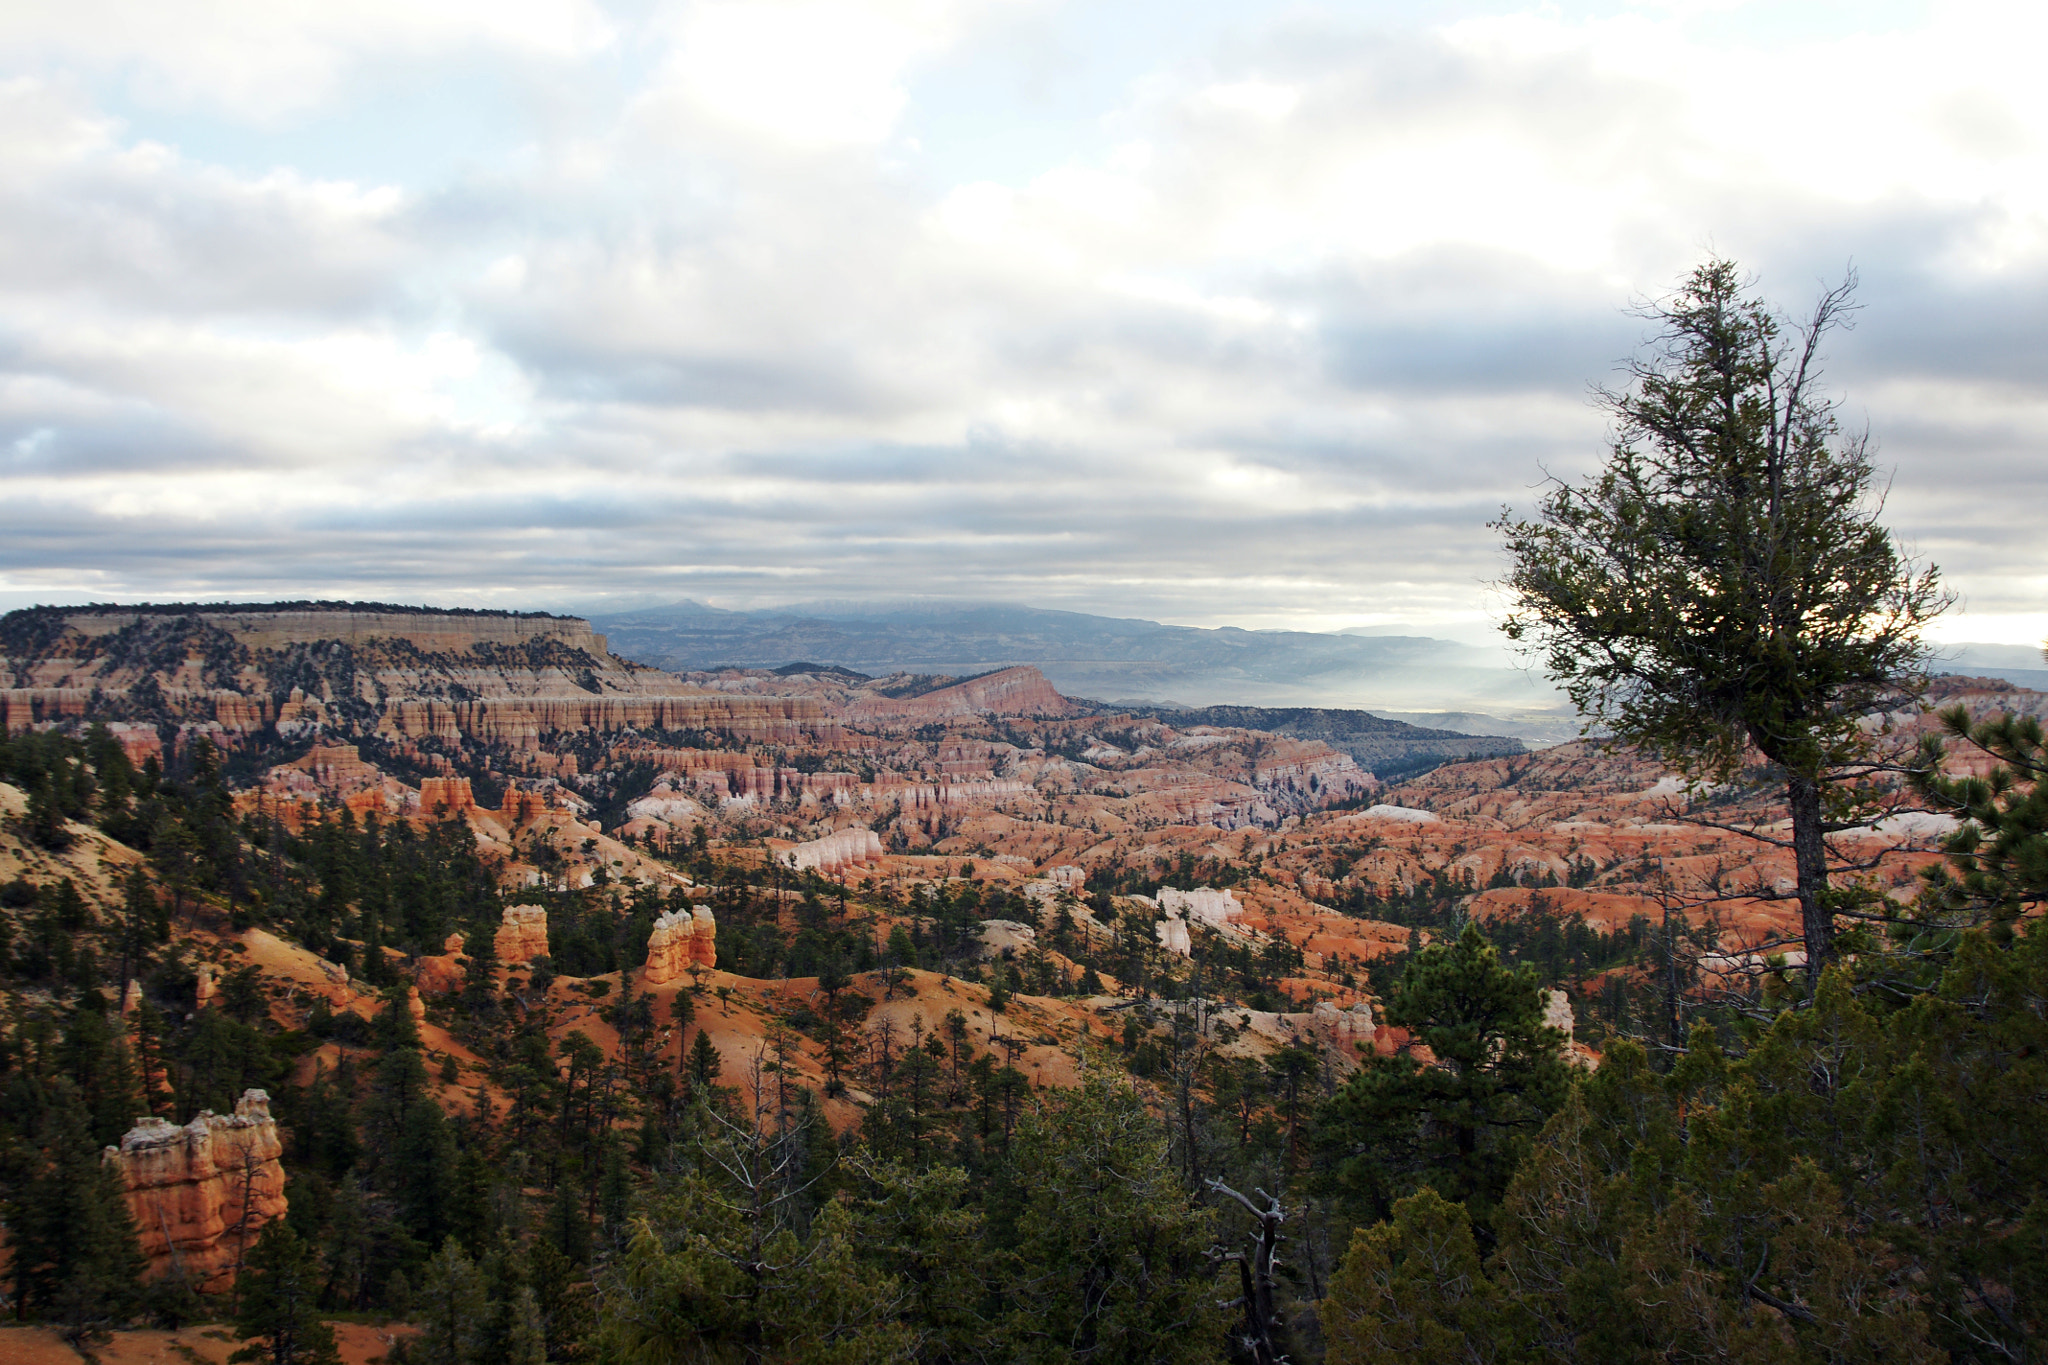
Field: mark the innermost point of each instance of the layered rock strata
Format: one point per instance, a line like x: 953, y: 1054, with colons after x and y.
x: 201, y: 1193
x: 836, y: 853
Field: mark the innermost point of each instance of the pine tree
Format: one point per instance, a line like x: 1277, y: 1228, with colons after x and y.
x: 1412, y: 1290
x: 280, y: 1291
x: 704, y: 1063
x: 1998, y: 859
x: 1113, y: 1261
x: 71, y: 1237
x: 449, y: 1306
x: 1723, y: 586
x: 1462, y: 1124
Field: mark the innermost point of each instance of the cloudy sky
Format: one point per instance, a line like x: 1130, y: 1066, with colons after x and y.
x: 1214, y: 312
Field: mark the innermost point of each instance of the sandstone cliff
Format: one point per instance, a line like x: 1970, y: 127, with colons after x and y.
x: 201, y: 1193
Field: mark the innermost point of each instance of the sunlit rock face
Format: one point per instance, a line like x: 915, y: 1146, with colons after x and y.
x: 836, y: 853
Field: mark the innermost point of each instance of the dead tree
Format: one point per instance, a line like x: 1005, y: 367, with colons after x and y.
x: 1256, y: 1261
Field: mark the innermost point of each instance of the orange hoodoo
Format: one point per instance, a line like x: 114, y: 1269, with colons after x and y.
x: 681, y: 939
x: 201, y: 1193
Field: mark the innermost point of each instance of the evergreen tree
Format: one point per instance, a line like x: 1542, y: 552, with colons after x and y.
x: 1463, y: 1123
x: 1724, y: 585
x: 450, y: 1307
x: 704, y: 1063
x: 70, y: 1236
x: 1998, y: 858
x: 280, y: 1292
x: 1411, y: 1290
x: 1112, y: 1260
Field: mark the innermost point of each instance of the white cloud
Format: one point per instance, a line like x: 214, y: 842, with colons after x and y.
x: 264, y: 58
x: 813, y: 73
x: 1271, y: 345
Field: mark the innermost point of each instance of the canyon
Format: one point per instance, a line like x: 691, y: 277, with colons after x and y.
x: 587, y: 784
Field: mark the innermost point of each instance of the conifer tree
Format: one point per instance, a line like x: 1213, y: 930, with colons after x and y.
x: 1113, y: 1260
x: 704, y: 1063
x: 1411, y: 1289
x: 279, y: 1291
x: 450, y: 1305
x: 1998, y: 858
x: 1724, y: 585
x: 69, y: 1232
x: 1462, y: 1124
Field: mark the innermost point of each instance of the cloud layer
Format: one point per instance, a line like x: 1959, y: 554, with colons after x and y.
x: 1248, y: 317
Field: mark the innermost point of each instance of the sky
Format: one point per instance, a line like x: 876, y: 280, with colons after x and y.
x: 1214, y: 313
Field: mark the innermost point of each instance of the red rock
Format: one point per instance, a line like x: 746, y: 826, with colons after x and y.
x: 445, y: 796
x: 523, y: 936
x: 681, y: 939
x: 189, y: 1188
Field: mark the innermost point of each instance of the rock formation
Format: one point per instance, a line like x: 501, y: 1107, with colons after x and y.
x: 681, y: 938
x: 205, y: 984
x: 704, y: 942
x: 201, y: 1193
x: 1218, y: 910
x: 1557, y: 1014
x: 1173, y: 935
x: 444, y: 796
x: 415, y: 1006
x: 1354, y: 1024
x: 836, y: 853
x: 523, y: 936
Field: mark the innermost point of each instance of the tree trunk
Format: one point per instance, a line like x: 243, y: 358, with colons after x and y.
x: 1810, y: 855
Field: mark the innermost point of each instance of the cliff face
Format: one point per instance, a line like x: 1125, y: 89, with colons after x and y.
x: 201, y: 1193
x: 228, y: 672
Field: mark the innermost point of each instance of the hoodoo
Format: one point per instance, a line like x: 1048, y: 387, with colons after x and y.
x: 523, y: 936
x: 681, y: 939
x: 201, y: 1193
x: 836, y: 852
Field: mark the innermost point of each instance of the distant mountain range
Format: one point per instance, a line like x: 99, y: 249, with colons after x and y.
x: 2020, y: 665
x: 1429, y: 682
